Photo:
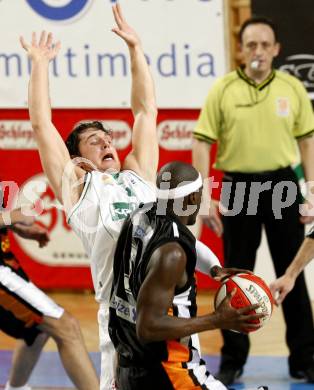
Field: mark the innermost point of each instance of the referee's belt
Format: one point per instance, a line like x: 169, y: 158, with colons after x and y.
x: 258, y: 176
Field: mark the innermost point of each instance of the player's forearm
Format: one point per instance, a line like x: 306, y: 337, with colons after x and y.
x: 5, y: 219
x: 206, y: 259
x: 302, y: 258
x: 306, y: 146
x: 201, y: 162
x: 39, y: 101
x: 201, y: 157
x: 20, y: 229
x: 171, y: 328
x: 143, y: 90
x: 9, y: 218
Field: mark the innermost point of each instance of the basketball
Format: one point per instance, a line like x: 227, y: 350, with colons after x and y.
x: 251, y: 290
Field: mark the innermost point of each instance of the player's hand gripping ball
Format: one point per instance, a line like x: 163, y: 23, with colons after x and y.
x: 250, y: 290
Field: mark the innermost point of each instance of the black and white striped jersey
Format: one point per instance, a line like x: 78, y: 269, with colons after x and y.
x: 142, y: 233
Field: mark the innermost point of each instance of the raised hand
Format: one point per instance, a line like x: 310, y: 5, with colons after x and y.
x: 42, y: 49
x: 123, y: 29
x: 239, y: 320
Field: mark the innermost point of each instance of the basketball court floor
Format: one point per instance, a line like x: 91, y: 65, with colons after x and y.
x: 267, y: 364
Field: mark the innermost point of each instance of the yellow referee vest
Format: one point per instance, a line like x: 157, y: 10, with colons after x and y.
x: 255, y: 126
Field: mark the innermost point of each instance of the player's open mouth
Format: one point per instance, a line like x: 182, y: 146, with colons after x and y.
x: 108, y: 157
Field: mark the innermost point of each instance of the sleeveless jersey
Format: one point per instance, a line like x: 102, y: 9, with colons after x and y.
x: 142, y: 233
x: 97, y: 218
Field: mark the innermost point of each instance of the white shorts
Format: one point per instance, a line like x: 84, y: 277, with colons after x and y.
x: 29, y: 293
x: 108, y: 353
x: 23, y: 306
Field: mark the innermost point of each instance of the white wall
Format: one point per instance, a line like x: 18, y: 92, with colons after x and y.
x: 184, y: 41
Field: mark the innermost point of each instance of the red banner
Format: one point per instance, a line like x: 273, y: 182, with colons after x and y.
x: 63, y: 264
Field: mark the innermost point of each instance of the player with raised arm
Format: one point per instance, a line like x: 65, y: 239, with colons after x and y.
x: 102, y: 190
x: 111, y: 190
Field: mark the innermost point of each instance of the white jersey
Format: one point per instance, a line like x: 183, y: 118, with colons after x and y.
x: 97, y: 218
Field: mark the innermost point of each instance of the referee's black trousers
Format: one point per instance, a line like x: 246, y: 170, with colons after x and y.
x: 242, y: 236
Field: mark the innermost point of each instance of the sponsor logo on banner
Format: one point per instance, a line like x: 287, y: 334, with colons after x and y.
x: 92, y: 68
x: 16, y: 135
x: 176, y: 134
x: 59, y: 10
x: 19, y: 135
x: 302, y: 67
x: 64, y: 248
x: 121, y: 132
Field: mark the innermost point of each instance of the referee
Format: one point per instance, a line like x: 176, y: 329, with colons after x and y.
x: 256, y: 114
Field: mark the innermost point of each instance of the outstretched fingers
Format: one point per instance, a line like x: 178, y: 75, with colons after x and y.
x: 122, y: 29
x: 42, y: 48
x: 46, y: 40
x: 119, y: 9
x: 116, y: 9
x: 34, y: 39
x: 56, y: 47
x: 42, y: 39
x: 24, y: 45
x: 49, y: 40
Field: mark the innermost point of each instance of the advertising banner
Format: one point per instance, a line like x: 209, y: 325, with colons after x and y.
x: 183, y: 40
x: 63, y: 262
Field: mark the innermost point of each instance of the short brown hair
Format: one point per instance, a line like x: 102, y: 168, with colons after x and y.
x: 73, y: 140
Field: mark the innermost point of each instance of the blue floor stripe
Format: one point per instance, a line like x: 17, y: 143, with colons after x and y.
x: 259, y: 370
x: 48, y: 371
